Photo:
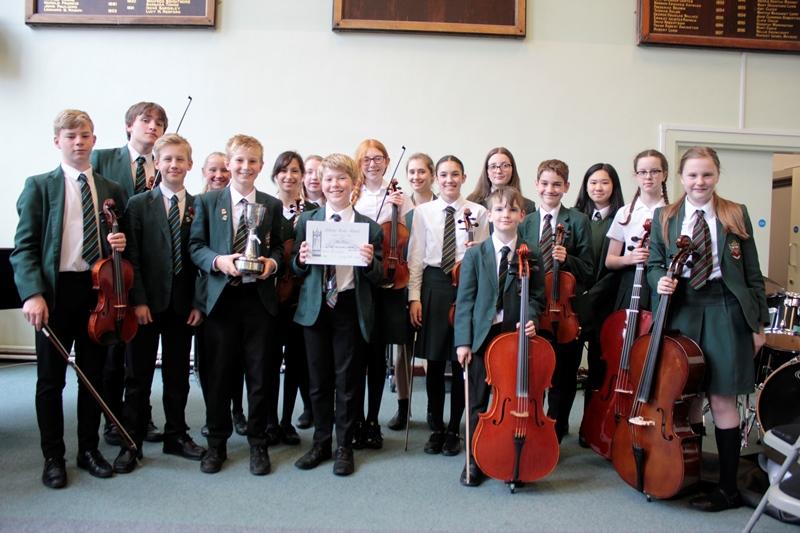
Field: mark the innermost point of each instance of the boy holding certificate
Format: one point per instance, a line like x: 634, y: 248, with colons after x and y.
x: 332, y: 299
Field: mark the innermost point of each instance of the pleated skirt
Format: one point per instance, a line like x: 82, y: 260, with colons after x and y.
x: 435, y: 339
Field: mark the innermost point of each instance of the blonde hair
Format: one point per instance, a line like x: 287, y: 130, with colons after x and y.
x: 212, y: 154
x: 342, y: 163
x: 171, y: 139
x: 70, y: 119
x: 240, y: 141
x: 730, y: 214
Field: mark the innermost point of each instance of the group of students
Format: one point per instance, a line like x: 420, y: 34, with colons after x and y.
x: 331, y: 324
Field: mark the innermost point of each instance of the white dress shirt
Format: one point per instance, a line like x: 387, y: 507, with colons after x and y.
x: 71, y: 259
x: 345, y: 278
x: 634, y: 228
x: 149, y: 164
x: 369, y: 202
x: 498, y: 246
x: 167, y: 195
x: 687, y: 228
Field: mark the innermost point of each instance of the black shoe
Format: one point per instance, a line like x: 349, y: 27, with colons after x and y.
x: 94, y: 463
x: 452, y: 444
x: 212, y: 460
x: 344, y: 465
x: 289, y: 435
x: 476, y: 477
x: 358, y: 436
x: 259, y: 460
x: 716, y: 501
x: 305, y: 420
x: 204, y: 431
x: 125, y: 461
x: 273, y: 435
x: 54, y: 474
x: 184, y: 446
x: 153, y: 434
x: 239, y: 423
x: 435, y: 443
x: 371, y: 435
x: 313, y: 457
x: 111, y: 435
x: 399, y: 420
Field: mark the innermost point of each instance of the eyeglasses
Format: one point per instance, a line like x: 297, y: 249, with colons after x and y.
x: 378, y: 159
x: 503, y: 166
x: 652, y: 173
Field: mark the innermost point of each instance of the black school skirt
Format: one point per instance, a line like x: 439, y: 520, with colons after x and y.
x: 435, y: 339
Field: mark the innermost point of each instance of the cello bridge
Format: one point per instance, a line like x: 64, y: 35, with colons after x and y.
x: 623, y: 391
x: 641, y: 421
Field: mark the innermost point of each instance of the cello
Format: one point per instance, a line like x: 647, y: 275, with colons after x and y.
x: 559, y: 287
x: 620, y: 329
x: 469, y: 226
x: 113, y: 321
x: 654, y: 448
x: 514, y: 440
x: 289, y: 282
x: 395, y: 241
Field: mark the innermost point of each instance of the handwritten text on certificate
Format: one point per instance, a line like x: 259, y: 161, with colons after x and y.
x: 336, y: 243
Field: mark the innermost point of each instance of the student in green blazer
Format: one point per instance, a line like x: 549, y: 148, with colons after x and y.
x: 719, y: 302
x: 575, y: 256
x: 163, y: 294
x: 484, y: 309
x: 242, y: 311
x: 58, y: 239
x: 337, y: 312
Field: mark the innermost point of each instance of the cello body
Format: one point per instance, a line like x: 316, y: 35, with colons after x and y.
x: 494, y: 442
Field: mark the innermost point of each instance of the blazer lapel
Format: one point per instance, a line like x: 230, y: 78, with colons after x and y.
x: 223, y: 211
x: 57, y: 197
x: 490, y: 263
x: 156, y: 206
x: 722, y: 237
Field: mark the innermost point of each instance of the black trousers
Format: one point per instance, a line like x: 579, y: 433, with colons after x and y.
x: 435, y: 387
x: 113, y: 384
x: 333, y: 345
x: 202, y: 375
x: 561, y: 395
x: 295, y: 376
x: 140, y: 364
x: 68, y: 320
x: 238, y: 332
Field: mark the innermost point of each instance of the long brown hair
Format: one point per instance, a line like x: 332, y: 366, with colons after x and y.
x: 665, y: 171
x: 729, y: 213
x: 484, y: 185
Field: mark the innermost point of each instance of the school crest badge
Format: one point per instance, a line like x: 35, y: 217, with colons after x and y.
x: 736, y: 249
x: 223, y: 213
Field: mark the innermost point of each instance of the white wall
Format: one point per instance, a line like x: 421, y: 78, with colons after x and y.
x: 577, y: 88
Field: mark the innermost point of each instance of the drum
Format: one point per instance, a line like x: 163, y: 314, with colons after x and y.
x: 784, y: 330
x: 768, y: 360
x: 778, y: 401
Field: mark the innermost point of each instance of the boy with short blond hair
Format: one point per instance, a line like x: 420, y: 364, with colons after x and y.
x: 163, y: 291
x: 242, y: 312
x: 58, y: 239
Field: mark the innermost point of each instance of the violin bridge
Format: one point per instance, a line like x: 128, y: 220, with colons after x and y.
x: 641, y: 421
x: 520, y: 415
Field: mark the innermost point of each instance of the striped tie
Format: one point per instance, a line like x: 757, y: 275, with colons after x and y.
x: 91, y: 244
x: 502, y: 274
x: 597, y: 217
x: 140, y: 184
x: 546, y: 243
x: 701, y: 257
x: 240, y: 240
x: 174, y: 219
x: 449, y: 240
x: 331, y: 289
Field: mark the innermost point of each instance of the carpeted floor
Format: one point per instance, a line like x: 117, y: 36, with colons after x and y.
x: 391, y: 490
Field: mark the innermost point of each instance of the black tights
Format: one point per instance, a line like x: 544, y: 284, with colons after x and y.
x: 435, y: 385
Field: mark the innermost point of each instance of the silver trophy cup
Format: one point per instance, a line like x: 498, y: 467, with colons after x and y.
x: 248, y: 264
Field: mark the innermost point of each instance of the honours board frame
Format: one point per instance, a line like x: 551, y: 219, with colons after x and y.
x: 477, y: 17
x: 121, y: 12
x: 766, y: 25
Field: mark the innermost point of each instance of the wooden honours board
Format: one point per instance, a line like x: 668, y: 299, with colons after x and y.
x: 118, y: 12
x: 772, y: 25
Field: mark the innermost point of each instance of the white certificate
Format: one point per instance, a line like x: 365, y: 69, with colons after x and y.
x: 336, y: 243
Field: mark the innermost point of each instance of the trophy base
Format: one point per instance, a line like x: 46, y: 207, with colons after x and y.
x: 249, y: 266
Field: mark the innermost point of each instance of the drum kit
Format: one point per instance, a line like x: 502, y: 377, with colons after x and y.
x: 777, y: 365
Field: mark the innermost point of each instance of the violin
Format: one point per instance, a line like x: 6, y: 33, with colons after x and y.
x: 559, y: 287
x: 654, y: 448
x: 395, y: 240
x: 514, y: 440
x: 606, y: 407
x: 288, y: 283
x: 469, y: 224
x: 113, y: 321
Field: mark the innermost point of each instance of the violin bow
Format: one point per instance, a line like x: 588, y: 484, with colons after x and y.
x: 51, y: 336
x: 410, y: 379
x: 468, y: 443
x: 157, y: 178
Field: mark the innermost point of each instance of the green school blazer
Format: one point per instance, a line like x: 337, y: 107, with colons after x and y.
x: 115, y: 164
x: 738, y: 259
x: 149, y: 250
x: 366, y: 278
x: 578, y: 242
x: 211, y: 235
x: 477, y: 295
x: 37, y: 244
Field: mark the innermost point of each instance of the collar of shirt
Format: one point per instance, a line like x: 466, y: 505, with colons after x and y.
x: 603, y: 212
x: 73, y: 173
x: 236, y: 196
x: 168, y: 194
x: 498, y: 245
x: 441, y: 204
x: 543, y: 212
x: 135, y: 155
x: 379, y: 192
x: 707, y: 209
x: 347, y: 213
